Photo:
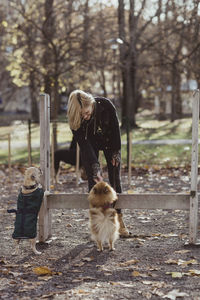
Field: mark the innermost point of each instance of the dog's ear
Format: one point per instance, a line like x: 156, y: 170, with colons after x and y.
x: 94, y: 190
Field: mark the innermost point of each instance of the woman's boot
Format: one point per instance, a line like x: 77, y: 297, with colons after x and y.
x: 123, y: 231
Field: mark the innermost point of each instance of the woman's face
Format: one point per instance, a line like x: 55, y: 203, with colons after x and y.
x: 86, y: 112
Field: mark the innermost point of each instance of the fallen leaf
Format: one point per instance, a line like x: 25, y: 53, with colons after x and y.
x: 182, y: 251
x: 88, y: 259
x: 128, y: 263
x: 2, y: 262
x: 42, y: 271
x: 79, y: 264
x: 156, y: 234
x: 128, y: 285
x: 157, y: 293
x: 181, y: 262
x: 194, y: 272
x: 171, y: 261
x: 169, y: 235
x: 176, y: 274
x: 83, y: 292
x: 11, y: 266
x: 108, y: 273
x: 15, y: 274
x: 114, y: 283
x: 135, y: 274
x: 13, y: 282
x: 155, y: 284
x: 147, y: 295
x: 26, y: 265
x: 174, y: 294
x: 50, y: 295
x: 45, y: 278
x: 186, y: 263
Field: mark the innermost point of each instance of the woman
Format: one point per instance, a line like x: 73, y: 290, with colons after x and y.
x: 95, y: 126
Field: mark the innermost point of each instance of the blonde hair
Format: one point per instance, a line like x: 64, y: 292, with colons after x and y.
x: 77, y: 100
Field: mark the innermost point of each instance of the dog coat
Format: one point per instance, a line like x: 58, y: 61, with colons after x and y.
x: 28, y: 206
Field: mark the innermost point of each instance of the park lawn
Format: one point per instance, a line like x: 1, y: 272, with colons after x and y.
x: 159, y: 130
x: 162, y: 155
x: 148, y: 129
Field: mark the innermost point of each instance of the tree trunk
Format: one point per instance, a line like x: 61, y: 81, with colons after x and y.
x: 176, y: 102
x: 30, y: 35
x: 48, y: 30
x: 133, y: 64
x: 34, y: 103
x: 122, y: 36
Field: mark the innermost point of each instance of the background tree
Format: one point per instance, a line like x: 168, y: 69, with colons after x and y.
x: 56, y: 46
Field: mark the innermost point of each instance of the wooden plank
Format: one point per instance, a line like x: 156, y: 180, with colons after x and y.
x: 52, y: 157
x: 47, y: 139
x: 29, y: 149
x: 134, y: 201
x: 130, y: 158
x: 42, y: 167
x: 9, y: 153
x: 193, y: 220
x: 77, y: 163
x: 29, y: 143
x: 44, y: 214
x: 48, y: 220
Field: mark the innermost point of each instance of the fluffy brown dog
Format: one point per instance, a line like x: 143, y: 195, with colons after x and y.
x: 104, y: 224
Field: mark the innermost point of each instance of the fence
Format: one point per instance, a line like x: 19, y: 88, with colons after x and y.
x: 187, y: 201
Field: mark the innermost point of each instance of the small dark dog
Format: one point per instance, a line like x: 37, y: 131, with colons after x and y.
x: 28, y: 205
x: 67, y: 155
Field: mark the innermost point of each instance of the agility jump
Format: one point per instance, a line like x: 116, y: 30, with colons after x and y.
x: 184, y: 201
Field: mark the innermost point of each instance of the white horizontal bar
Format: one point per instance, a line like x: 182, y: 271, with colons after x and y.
x: 130, y: 201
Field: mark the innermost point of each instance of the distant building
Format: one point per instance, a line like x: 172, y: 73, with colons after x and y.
x: 164, y: 107
x: 15, y: 104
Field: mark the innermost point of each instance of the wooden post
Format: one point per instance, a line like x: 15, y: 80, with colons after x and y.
x: 44, y: 215
x: 9, y: 153
x: 194, y: 171
x: 52, y: 157
x: 29, y: 143
x: 77, y: 163
x: 130, y: 158
x: 29, y: 149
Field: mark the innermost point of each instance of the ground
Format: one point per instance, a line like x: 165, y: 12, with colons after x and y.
x: 155, y: 263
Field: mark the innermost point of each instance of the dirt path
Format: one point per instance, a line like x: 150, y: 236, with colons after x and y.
x: 153, y: 264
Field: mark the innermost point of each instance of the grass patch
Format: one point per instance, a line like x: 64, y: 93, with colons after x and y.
x: 165, y: 155
x: 173, y: 155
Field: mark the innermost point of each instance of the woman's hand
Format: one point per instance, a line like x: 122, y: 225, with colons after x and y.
x: 116, y: 159
x: 98, y: 177
x: 96, y: 172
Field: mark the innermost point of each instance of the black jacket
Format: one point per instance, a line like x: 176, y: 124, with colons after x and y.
x: 28, y: 206
x: 100, y: 132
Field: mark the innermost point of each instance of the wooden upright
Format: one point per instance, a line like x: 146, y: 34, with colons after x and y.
x: 194, y: 171
x: 45, y: 215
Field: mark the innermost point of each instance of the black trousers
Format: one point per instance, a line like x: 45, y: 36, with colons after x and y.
x: 113, y: 173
